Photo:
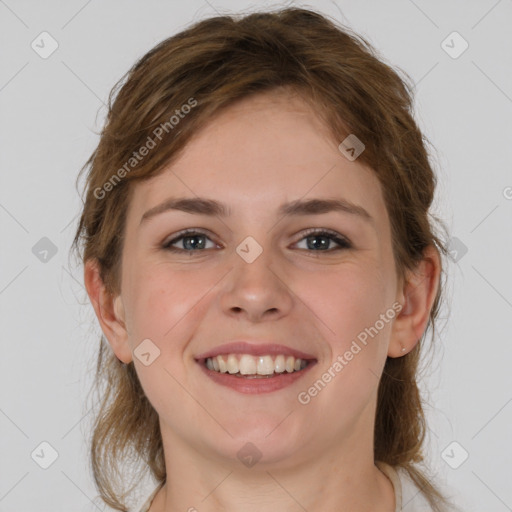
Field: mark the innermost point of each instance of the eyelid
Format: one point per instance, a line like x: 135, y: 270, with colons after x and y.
x: 341, y: 240
x: 324, y: 231
x: 184, y: 232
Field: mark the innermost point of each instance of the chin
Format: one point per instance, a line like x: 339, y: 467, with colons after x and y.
x: 269, y: 439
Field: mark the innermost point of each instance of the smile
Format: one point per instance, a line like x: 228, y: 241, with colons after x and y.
x: 249, y: 366
x: 255, y: 366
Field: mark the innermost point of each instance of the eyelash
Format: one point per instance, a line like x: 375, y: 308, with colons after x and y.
x: 331, y: 235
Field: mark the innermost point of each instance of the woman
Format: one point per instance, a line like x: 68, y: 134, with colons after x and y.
x: 258, y: 249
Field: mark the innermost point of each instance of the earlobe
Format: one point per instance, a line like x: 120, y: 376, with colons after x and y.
x: 417, y: 298
x: 109, y: 311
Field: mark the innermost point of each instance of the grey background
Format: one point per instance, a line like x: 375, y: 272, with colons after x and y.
x: 51, y: 110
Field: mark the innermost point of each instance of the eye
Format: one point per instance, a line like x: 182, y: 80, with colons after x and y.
x: 191, y: 238
x: 318, y: 240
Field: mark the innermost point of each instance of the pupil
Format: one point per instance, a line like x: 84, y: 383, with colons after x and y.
x: 315, y: 238
x: 190, y: 244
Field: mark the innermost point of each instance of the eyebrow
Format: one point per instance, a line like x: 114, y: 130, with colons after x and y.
x: 204, y: 206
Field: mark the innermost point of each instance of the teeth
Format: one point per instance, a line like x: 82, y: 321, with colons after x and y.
x: 222, y: 364
x: 279, y: 364
x: 246, y: 364
x: 232, y: 364
x: 265, y: 365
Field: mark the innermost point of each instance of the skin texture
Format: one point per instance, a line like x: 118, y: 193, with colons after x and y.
x: 254, y: 156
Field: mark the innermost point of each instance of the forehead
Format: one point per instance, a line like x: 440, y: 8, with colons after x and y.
x: 266, y: 149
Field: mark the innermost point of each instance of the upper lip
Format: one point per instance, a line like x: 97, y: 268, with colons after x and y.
x: 255, y: 349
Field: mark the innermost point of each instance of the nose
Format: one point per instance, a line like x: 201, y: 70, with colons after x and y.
x: 256, y: 291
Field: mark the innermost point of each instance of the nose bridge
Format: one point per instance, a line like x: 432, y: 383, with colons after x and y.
x: 252, y: 263
x: 255, y: 287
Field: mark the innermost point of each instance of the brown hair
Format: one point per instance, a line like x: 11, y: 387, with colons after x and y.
x: 214, y: 63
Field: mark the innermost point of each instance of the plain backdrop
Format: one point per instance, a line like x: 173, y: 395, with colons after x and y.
x: 51, y: 111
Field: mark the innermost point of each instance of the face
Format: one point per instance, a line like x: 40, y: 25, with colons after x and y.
x: 313, y: 280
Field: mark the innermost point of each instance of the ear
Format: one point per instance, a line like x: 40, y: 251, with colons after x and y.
x: 417, y: 295
x: 109, y: 311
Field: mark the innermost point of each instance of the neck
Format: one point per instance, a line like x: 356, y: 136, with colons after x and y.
x: 341, y: 479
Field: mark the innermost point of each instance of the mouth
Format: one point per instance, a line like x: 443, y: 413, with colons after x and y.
x: 254, y: 367
x: 249, y: 368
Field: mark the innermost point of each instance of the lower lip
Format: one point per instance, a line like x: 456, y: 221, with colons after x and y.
x: 256, y: 385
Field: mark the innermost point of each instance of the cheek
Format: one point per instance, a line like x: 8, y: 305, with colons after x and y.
x: 349, y: 302
x: 154, y: 300
x: 162, y: 307
x: 345, y: 301
x: 164, y: 303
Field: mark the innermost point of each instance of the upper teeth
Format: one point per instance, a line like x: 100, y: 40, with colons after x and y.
x: 247, y: 364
